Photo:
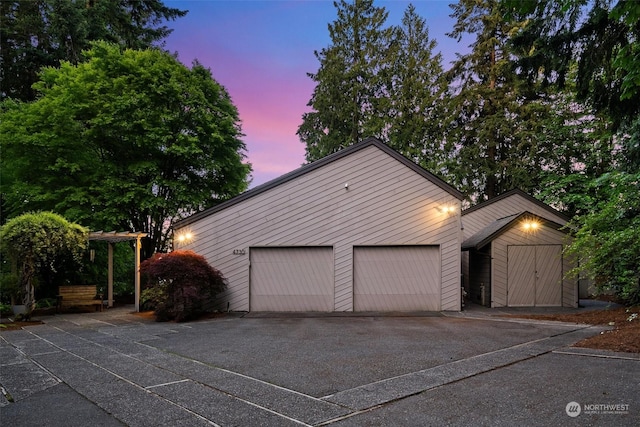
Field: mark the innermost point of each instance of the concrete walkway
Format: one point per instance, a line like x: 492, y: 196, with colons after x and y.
x: 116, y: 368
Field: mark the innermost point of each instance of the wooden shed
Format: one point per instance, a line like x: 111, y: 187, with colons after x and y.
x: 360, y: 230
x: 514, y: 254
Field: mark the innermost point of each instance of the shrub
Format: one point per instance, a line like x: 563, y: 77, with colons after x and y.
x: 180, y: 285
x: 35, y: 242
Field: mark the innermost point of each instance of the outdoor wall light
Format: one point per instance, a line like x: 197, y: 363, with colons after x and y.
x: 184, y: 237
x: 530, y: 225
x: 450, y: 209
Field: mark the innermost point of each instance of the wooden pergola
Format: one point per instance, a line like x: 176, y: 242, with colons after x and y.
x: 113, y: 237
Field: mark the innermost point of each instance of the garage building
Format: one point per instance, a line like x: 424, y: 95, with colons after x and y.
x: 514, y: 254
x: 363, y: 229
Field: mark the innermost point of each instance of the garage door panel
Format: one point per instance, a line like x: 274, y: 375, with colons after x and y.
x: 291, y: 279
x: 291, y: 303
x: 398, y: 278
x: 396, y: 302
x: 521, y: 276
x: 549, y: 280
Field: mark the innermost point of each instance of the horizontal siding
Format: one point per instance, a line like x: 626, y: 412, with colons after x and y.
x: 386, y: 203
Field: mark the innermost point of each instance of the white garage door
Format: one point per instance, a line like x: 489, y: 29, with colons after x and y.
x: 291, y: 279
x: 396, y: 278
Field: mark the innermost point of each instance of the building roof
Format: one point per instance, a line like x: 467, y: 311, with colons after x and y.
x: 511, y: 193
x: 499, y: 226
x: 316, y: 165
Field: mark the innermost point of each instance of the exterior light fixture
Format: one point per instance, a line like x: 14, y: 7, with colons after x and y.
x: 530, y: 225
x: 184, y: 237
x: 449, y: 210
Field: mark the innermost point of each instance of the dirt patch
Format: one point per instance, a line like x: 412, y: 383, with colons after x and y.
x: 148, y: 315
x: 12, y: 326
x: 624, y: 337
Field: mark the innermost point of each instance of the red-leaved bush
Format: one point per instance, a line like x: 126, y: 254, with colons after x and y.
x: 180, y: 285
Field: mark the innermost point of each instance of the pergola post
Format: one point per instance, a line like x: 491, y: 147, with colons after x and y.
x: 112, y: 238
x: 137, y: 283
x: 110, y: 276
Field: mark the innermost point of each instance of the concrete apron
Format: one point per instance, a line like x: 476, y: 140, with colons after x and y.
x: 105, y: 358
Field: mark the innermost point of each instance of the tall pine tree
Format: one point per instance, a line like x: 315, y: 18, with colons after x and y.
x: 348, y: 82
x: 39, y: 33
x: 414, y: 89
x: 495, y: 120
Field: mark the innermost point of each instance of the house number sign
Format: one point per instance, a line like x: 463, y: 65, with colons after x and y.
x: 239, y: 252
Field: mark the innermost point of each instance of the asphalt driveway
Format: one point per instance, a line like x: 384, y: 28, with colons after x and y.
x: 114, y: 368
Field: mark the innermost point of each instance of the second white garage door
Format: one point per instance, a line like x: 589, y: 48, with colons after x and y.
x: 396, y: 278
x: 291, y: 279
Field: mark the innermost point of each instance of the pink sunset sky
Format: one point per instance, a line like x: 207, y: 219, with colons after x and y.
x: 261, y: 52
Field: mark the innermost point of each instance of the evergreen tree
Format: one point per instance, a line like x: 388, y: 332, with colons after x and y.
x: 414, y: 89
x: 39, y: 33
x: 348, y: 83
x: 495, y: 120
x: 602, y: 37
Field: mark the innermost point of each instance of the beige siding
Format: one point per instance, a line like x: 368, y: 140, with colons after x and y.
x: 549, y: 275
x: 476, y: 220
x: 516, y: 236
x: 386, y: 203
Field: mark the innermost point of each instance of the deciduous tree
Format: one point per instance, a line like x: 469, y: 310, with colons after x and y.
x: 35, y: 241
x: 180, y: 285
x: 126, y: 140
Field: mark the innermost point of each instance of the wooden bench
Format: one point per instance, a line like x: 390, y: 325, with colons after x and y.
x: 78, y: 296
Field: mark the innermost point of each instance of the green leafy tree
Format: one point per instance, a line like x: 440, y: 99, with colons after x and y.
x: 607, y: 242
x: 348, y: 85
x: 38, y: 33
x: 35, y: 242
x: 600, y: 41
x: 125, y: 140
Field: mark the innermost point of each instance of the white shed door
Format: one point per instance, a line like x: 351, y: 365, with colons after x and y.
x: 291, y: 279
x: 534, y: 275
x: 396, y: 278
